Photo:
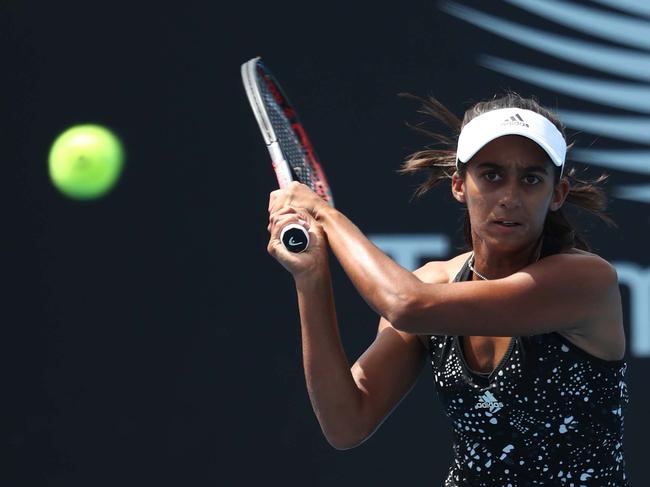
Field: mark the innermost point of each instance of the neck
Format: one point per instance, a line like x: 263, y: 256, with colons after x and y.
x: 494, y: 264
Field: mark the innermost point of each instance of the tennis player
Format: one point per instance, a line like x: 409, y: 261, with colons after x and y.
x: 524, y: 331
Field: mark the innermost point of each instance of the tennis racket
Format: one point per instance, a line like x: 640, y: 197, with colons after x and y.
x: 292, y: 155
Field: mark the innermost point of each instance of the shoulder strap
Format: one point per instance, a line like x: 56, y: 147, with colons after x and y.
x: 462, y: 275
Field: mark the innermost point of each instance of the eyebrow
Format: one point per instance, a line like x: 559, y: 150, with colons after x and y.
x: 492, y: 165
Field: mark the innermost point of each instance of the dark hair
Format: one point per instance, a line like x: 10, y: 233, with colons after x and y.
x: 440, y: 164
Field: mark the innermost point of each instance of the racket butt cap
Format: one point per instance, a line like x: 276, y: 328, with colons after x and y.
x: 295, y: 238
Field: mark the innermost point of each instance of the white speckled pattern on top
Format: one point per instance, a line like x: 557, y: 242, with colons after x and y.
x: 549, y: 414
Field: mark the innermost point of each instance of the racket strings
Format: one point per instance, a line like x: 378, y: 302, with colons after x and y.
x: 294, y: 151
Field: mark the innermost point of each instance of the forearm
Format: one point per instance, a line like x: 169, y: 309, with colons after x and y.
x: 334, y: 395
x: 385, y: 285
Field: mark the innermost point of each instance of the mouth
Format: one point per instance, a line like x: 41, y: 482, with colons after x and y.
x: 507, y: 223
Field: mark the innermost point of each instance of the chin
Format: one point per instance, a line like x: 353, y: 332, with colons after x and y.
x: 506, y: 243
x: 506, y: 247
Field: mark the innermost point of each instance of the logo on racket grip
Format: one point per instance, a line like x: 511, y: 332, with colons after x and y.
x: 295, y: 238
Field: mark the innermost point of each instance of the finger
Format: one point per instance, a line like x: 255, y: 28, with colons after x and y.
x: 281, y: 221
x: 282, y: 211
x: 289, y: 210
x: 272, y: 197
x: 304, y: 218
x: 279, y: 202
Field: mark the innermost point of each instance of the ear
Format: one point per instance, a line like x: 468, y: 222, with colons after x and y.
x: 560, y: 192
x: 458, y: 187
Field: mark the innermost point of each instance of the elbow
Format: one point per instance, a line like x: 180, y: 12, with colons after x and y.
x: 415, y: 312
x: 344, y: 443
x: 347, y: 436
x: 402, y: 315
x: 341, y: 446
x: 404, y: 304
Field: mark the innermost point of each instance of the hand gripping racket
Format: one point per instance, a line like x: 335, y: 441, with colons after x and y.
x: 292, y: 155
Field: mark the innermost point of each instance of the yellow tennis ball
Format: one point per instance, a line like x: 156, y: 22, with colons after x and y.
x: 86, y: 161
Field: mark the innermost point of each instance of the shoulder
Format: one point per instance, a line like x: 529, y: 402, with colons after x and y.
x: 580, y: 282
x: 574, y: 278
x: 574, y: 253
x: 443, y: 271
x: 604, y: 336
x: 440, y: 272
x: 575, y: 261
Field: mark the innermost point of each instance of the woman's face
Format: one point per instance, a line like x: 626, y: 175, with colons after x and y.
x: 508, y: 189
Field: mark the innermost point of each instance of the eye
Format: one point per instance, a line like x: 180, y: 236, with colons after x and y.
x: 492, y: 176
x: 532, y: 179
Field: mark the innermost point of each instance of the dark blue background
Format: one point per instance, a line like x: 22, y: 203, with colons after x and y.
x: 148, y: 339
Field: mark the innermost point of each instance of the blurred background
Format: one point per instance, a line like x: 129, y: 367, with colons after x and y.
x: 148, y: 338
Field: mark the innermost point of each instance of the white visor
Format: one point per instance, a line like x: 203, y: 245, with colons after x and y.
x: 511, y: 121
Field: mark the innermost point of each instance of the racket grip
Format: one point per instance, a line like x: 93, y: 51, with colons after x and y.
x: 295, y: 238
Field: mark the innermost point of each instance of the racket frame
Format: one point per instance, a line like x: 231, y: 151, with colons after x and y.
x: 280, y: 164
x: 284, y: 173
x: 251, y: 72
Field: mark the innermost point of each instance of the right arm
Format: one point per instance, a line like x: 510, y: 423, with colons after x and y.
x: 350, y: 403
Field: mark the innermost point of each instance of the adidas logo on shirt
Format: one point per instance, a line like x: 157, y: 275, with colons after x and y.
x: 515, y: 120
x: 489, y: 401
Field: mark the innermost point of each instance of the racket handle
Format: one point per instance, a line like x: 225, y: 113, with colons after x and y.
x: 295, y: 238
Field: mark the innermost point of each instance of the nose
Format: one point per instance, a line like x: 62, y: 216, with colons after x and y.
x: 510, y: 197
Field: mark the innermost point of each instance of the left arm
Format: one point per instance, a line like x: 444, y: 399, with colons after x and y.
x: 560, y: 292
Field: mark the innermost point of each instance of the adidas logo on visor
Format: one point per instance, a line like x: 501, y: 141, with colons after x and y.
x: 515, y: 120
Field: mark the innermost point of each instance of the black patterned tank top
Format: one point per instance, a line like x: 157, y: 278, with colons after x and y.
x: 549, y: 414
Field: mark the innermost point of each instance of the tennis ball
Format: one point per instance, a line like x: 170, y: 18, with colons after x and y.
x: 85, y: 161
